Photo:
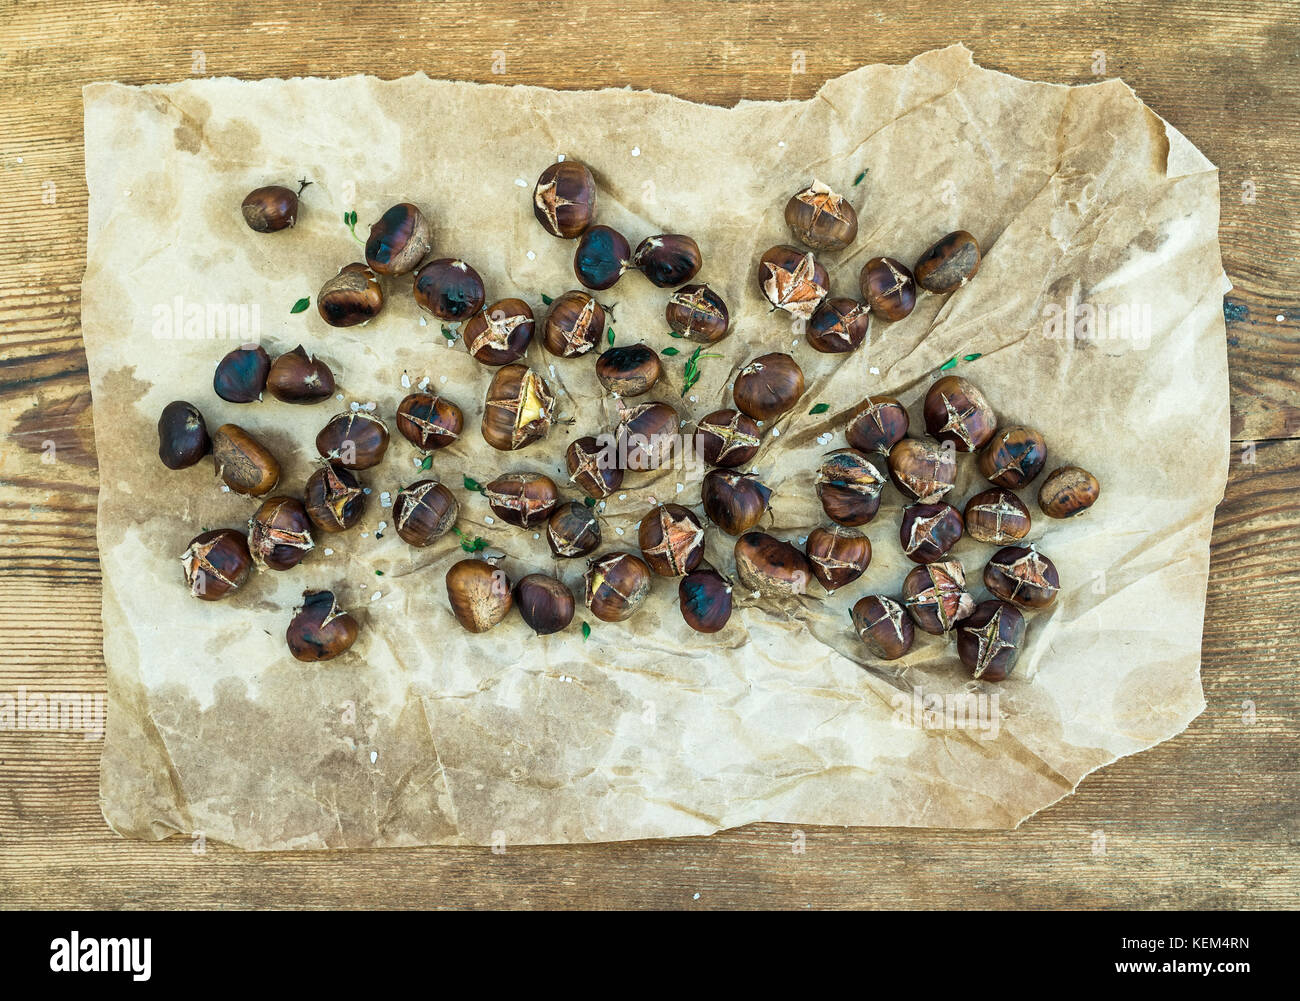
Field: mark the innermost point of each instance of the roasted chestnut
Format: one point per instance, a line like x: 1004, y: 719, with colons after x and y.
x: 449, y: 289
x: 1013, y: 457
x: 241, y: 375
x: 792, y: 280
x: 500, y: 334
x: 564, y: 199
x: 888, y: 287
x: 518, y: 409
x: 671, y: 540
x: 879, y: 423
x: 574, y: 325
x: 629, y: 371
x: 297, y: 377
x: 768, y: 386
x: 270, y: 209
x: 935, y: 595
x: 352, y: 296
x: 522, y: 499
x: 424, y: 512
x: 821, y: 219
x: 334, y: 498
x: 727, y: 438
x: 354, y: 440
x: 320, y: 630
x: 216, y: 563
x: 949, y: 264
x: 593, y: 465
x: 997, y: 516
x: 922, y: 471
x: 617, y: 584
x: 399, y: 240
x: 668, y: 260
x: 602, y: 256
x: 771, y: 568
x: 647, y: 436
x: 572, y: 530
x: 698, y: 314
x: 838, y: 555
x: 882, y: 625
x: 956, y: 411
x: 849, y: 484
x: 989, y: 641
x: 734, y: 501
x: 279, y: 534
x: 182, y: 435
x: 1068, y: 491
x: 705, y: 598
x: 479, y: 593
x: 244, y: 464
x: 429, y: 422
x: 928, y: 531
x: 838, y: 325
x: 1023, y: 576
x: 544, y: 602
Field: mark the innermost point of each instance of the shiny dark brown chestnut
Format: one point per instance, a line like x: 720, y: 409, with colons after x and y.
x: 334, y: 498
x: 449, y: 289
x: 928, y: 531
x: 629, y: 371
x: 668, y: 260
x: 771, y: 568
x: 1068, y: 491
x: 768, y: 386
x: 271, y: 209
x: 297, y: 377
x: 182, y: 435
x: 216, y: 563
x: 792, y: 280
x: 320, y: 630
x: 352, y: 296
x: 1013, y: 457
x: 279, y: 534
x: 727, y: 438
x: 849, y: 484
x: 424, y: 512
x: 705, y: 599
x: 996, y: 516
x: 734, y: 501
x: 1023, y: 576
x: 429, y: 422
x: 697, y: 313
x: 479, y: 594
x: 574, y: 325
x: 922, y: 471
x: 522, y: 499
x: 241, y: 375
x: 990, y: 640
x: 354, y: 440
x: 956, y: 411
x: 593, y: 465
x: 838, y: 326
x: 399, y: 241
x: 671, y: 540
x: 935, y: 595
x: 518, y: 409
x: 878, y: 424
x: 603, y: 254
x: 949, y: 264
x: 883, y: 626
x: 500, y: 334
x: 888, y: 287
x: 838, y: 555
x: 821, y: 219
x: 564, y: 199
x: 647, y: 436
x: 544, y: 603
x: 244, y: 464
x: 617, y: 584
x: 572, y: 530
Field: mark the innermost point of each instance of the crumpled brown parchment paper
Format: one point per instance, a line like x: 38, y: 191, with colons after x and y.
x: 1084, y: 200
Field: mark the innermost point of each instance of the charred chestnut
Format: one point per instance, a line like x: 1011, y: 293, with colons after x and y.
x: 182, y: 435
x: 399, y: 240
x: 888, y: 287
x: 935, y: 595
x: 216, y: 563
x: 821, y: 219
x: 544, y: 602
x: 320, y: 630
x: 770, y: 567
x: 574, y: 325
x: 500, y: 334
x: 593, y: 465
x: 241, y: 375
x: 334, y: 498
x: 479, y: 594
x: 617, y: 584
x: 424, y: 512
x: 727, y: 438
x: 792, y: 280
x: 522, y: 499
x: 270, y: 209
x: 849, y: 484
x: 353, y: 440
x: 838, y: 555
x: 949, y: 264
x: 564, y: 199
x: 352, y: 296
x: 838, y: 325
x: 572, y: 530
x: 1023, y: 576
x: 1068, y: 491
x: 297, y: 377
x: 429, y: 422
x: 705, y: 598
x: 449, y: 289
x: 671, y: 540
x: 668, y: 260
x: 734, y: 501
x: 647, y: 435
x: 997, y: 516
x: 279, y: 534
x: 922, y: 471
x: 883, y: 626
x: 697, y: 313
x: 768, y: 386
x: 989, y: 641
x: 956, y: 411
x: 928, y: 531
x: 629, y: 371
x: 879, y: 423
x: 518, y: 410
x: 244, y: 464
x: 602, y: 256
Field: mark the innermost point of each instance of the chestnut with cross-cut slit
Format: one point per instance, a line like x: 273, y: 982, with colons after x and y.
x: 617, y: 584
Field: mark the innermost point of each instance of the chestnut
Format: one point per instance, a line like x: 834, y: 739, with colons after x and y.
x: 734, y: 501
x: 838, y: 555
x: 956, y: 411
x: 352, y: 296
x: 668, y: 260
x: 603, y: 254
x: 629, y: 371
x: 574, y: 325
x: 727, y: 438
x: 1068, y: 491
x: 241, y: 375
x: 449, y: 289
x: 838, y: 326
x: 768, y: 386
x: 522, y: 499
x: 997, y: 516
x: 518, y: 409
x: 182, y: 435
x: 544, y: 602
x: 935, y: 596
x: 849, y: 485
x: 882, y: 625
x: 334, y: 498
x: 593, y: 466
x: 922, y: 471
x: 705, y: 599
x: 429, y: 422
x: 888, y: 287
x: 821, y: 219
x: 671, y: 540
x: 647, y: 435
x: 354, y: 440
x: 564, y: 199
x: 770, y: 567
x: 399, y: 240
x: 928, y: 531
x: 1023, y: 576
x: 698, y: 314
x: 479, y: 594
x: 792, y: 280
x: 216, y: 563
x: 244, y: 464
x: 279, y: 534
x: 572, y: 530
x: 501, y: 333
x: 617, y: 584
x: 320, y: 630
x: 878, y: 424
x: 270, y: 209
x: 989, y: 641
x: 297, y: 377
x: 948, y: 264
x: 424, y: 512
x: 1013, y: 457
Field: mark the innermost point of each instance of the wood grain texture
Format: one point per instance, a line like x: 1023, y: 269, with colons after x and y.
x: 1207, y: 820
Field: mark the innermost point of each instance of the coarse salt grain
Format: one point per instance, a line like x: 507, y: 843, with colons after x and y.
x: 406, y: 381
x: 520, y: 182
x: 531, y: 256
x: 776, y: 432
x: 488, y: 520
x: 874, y: 370
x: 385, y: 499
x: 636, y: 150
x: 329, y: 552
x: 377, y: 595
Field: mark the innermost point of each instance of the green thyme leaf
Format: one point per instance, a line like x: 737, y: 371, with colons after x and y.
x: 300, y: 305
x: 379, y: 573
x: 448, y: 333
x: 546, y: 299
x: 428, y: 462
x: 674, y: 333
x: 821, y: 408
x: 589, y: 501
x: 586, y: 632
x: 611, y: 336
x: 972, y: 357
x: 670, y: 351
x: 950, y: 363
x: 473, y: 485
x: 858, y: 180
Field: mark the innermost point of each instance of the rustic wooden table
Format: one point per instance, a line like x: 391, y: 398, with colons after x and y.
x: 1207, y: 820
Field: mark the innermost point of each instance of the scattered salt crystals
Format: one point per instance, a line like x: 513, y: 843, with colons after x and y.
x: 803, y: 539
x: 365, y: 535
x: 369, y: 407
x: 680, y: 488
x: 531, y: 256
x: 377, y: 595
x: 423, y: 321
x: 537, y: 535
x: 795, y: 342
x: 374, y: 756
x: 622, y: 496
x: 329, y: 552
x: 558, y: 159
x: 488, y: 520
x: 754, y: 595
x: 418, y: 462
x: 339, y: 397
x: 759, y: 423
x: 225, y: 489
x: 406, y: 381
x: 1281, y: 317
x: 874, y: 370
x: 423, y: 384
x: 776, y: 432
x: 354, y: 406
x: 385, y: 499
x: 601, y: 505
x: 520, y: 182
x: 366, y: 491
x: 551, y: 368
x: 442, y: 379
x: 618, y: 531
x: 782, y: 145
x: 381, y: 527
x: 636, y: 150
